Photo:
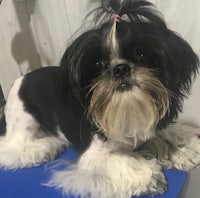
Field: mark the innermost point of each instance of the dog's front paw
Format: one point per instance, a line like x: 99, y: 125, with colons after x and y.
x: 187, y: 156
x: 94, y: 185
x: 158, y: 184
x: 116, y: 175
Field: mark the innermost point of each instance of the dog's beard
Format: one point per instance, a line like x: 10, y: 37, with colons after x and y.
x: 129, y: 115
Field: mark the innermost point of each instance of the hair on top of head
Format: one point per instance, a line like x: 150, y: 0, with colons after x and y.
x: 112, y: 12
x: 135, y: 10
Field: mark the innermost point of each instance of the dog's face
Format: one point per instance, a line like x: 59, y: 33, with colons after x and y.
x: 133, y: 74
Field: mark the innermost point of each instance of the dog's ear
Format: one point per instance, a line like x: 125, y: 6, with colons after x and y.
x: 184, y: 63
x: 181, y: 66
x: 77, y: 67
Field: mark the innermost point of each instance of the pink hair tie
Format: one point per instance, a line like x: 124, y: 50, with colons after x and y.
x: 117, y: 18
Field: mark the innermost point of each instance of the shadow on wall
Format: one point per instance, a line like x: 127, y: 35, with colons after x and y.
x: 23, y: 45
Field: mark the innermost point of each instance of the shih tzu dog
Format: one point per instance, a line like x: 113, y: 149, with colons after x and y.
x: 115, y: 98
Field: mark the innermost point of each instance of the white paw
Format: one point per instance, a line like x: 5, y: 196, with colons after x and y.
x: 115, y: 175
x: 158, y: 185
x: 16, y: 152
x: 187, y: 157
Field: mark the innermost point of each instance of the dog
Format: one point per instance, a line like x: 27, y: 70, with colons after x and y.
x: 115, y: 98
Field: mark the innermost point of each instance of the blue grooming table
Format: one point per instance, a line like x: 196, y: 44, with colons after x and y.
x: 26, y: 183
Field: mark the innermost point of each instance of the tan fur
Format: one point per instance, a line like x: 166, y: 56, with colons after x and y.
x: 112, y: 42
x: 130, y: 115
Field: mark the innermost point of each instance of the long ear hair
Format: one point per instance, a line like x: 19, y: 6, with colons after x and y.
x: 182, y: 65
x: 78, y: 62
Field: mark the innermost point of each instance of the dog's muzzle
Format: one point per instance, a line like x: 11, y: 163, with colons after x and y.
x: 122, y: 73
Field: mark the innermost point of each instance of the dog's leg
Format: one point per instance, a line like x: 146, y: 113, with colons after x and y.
x: 104, y: 171
x: 24, y: 143
x: 176, y: 147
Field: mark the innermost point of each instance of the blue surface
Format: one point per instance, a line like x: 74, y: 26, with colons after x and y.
x: 26, y: 183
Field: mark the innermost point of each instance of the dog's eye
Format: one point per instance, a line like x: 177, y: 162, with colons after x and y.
x: 140, y: 54
x: 100, y: 65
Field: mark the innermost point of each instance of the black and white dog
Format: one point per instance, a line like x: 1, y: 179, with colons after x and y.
x: 115, y: 97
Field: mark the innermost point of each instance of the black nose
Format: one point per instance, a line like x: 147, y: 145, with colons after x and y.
x: 121, y: 70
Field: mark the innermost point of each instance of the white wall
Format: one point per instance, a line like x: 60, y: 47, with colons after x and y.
x: 34, y: 33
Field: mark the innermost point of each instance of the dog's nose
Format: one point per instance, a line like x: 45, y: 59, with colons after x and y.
x: 121, y: 70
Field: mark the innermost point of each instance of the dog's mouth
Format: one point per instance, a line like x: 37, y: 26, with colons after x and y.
x: 124, y: 85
